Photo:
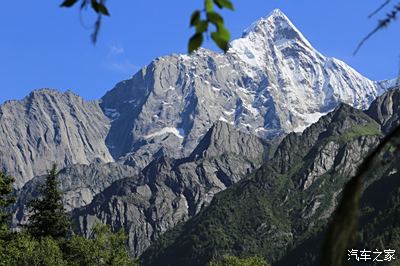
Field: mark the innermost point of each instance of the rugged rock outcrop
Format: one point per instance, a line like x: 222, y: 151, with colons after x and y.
x: 171, y: 191
x: 270, y: 82
x: 78, y: 183
x: 50, y: 127
x: 386, y: 110
x: 291, y: 196
x: 168, y: 191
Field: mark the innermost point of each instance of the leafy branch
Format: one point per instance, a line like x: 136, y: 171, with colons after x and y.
x: 383, y: 23
x: 200, y: 19
x: 98, y: 6
x: 221, y: 35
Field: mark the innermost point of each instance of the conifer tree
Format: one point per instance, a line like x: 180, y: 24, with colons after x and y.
x: 49, y: 218
x: 5, y: 200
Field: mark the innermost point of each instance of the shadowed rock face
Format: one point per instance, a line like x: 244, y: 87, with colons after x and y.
x: 171, y: 191
x: 78, y: 183
x: 292, y: 195
x: 166, y: 192
x: 386, y: 110
x: 50, y: 127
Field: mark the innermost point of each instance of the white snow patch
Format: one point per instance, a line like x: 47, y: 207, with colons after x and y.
x: 253, y: 110
x: 309, y: 119
x: 260, y: 129
x: 229, y: 113
x: 167, y: 130
x: 394, y: 171
x: 221, y: 118
x: 223, y: 65
x: 181, y: 132
x: 248, y: 52
x: 244, y: 90
x: 247, y: 125
x: 185, y: 57
x: 299, y: 129
x: 313, y: 117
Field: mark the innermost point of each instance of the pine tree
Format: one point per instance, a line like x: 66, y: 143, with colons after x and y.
x: 49, y: 218
x: 5, y: 200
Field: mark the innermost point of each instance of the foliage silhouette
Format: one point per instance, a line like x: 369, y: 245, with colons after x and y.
x: 220, y: 36
x: 382, y: 23
x: 49, y: 217
x: 5, y: 200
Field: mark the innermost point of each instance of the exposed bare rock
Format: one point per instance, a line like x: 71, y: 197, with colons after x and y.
x: 50, y: 127
x: 172, y: 191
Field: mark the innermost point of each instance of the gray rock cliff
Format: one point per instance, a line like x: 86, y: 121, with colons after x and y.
x: 50, y: 127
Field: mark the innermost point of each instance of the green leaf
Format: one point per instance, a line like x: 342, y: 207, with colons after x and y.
x: 95, y: 6
x: 224, y: 4
x: 103, y: 9
x: 209, y: 5
x: 202, y: 26
x: 221, y: 37
x: 195, y: 42
x: 222, y: 44
x: 68, y: 3
x: 195, y: 18
x: 215, y: 18
x: 223, y: 32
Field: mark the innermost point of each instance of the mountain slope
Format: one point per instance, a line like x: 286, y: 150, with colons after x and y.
x: 270, y: 82
x: 183, y: 122
x: 50, y: 127
x: 166, y: 192
x: 171, y: 191
x: 284, y: 202
x: 379, y: 226
x: 78, y: 183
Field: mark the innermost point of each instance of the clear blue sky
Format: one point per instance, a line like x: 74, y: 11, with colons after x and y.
x: 44, y: 46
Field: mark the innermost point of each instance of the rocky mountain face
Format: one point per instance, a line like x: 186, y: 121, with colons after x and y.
x: 386, y: 110
x: 378, y: 227
x: 270, y: 82
x: 78, y: 183
x: 171, y: 191
x: 291, y: 196
x: 166, y: 192
x: 50, y: 127
x: 155, y: 149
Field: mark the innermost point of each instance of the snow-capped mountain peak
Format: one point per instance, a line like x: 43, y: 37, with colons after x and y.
x: 270, y: 82
x: 270, y: 37
x: 277, y: 27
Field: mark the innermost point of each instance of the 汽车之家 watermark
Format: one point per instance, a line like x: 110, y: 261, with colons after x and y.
x: 368, y: 255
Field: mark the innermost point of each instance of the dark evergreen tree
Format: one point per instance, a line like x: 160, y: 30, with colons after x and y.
x: 5, y: 200
x: 49, y: 218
